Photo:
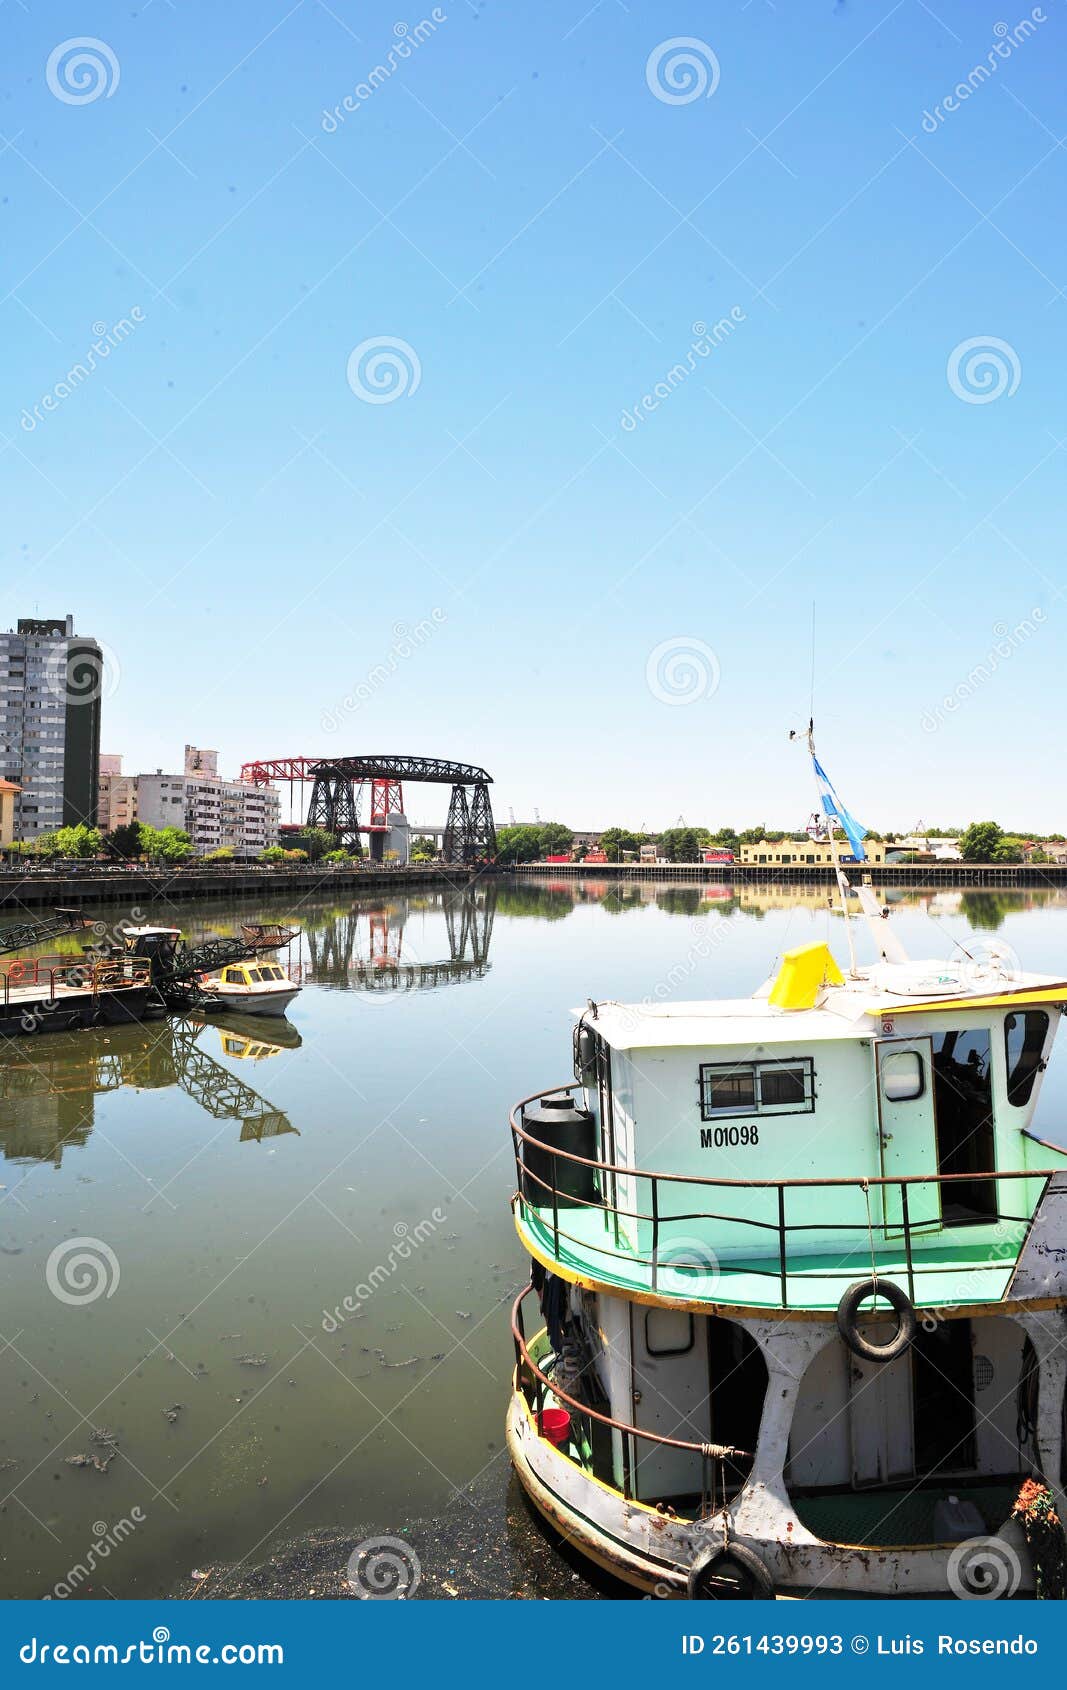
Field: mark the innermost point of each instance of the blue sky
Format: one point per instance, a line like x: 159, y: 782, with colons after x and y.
x: 493, y: 565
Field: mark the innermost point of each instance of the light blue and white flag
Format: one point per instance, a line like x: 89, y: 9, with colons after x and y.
x: 834, y: 810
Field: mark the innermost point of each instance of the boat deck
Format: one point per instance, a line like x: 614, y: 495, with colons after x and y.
x: 884, y: 1518
x: 948, y: 1269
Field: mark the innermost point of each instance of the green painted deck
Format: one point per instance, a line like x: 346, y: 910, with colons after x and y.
x: 950, y: 1269
x: 906, y: 1516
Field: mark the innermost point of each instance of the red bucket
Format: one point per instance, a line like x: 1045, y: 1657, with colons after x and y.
x: 555, y: 1425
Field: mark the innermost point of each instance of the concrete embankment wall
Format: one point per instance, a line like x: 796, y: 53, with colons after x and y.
x: 918, y: 875
x: 21, y: 890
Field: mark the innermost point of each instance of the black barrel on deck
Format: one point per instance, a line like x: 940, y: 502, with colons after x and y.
x: 559, y: 1124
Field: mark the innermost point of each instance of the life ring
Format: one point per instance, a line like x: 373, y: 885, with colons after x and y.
x: 16, y: 972
x: 729, y: 1572
x: 848, y: 1319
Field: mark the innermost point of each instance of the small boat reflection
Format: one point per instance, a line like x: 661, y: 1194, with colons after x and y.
x: 248, y: 1039
x: 47, y: 1105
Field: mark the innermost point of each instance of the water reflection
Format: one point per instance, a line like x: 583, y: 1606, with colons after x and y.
x: 390, y: 945
x: 552, y: 898
x: 49, y: 1086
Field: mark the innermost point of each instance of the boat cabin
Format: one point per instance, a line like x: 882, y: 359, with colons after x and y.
x: 251, y: 974
x: 783, y: 1143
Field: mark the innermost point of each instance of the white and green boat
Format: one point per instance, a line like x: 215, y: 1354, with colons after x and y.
x: 797, y: 1317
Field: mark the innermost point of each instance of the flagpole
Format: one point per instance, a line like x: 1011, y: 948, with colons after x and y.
x: 842, y: 883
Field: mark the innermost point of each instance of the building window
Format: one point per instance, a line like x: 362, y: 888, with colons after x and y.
x: 757, y: 1088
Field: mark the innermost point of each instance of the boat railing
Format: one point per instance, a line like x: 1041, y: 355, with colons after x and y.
x: 52, y: 975
x: 536, y: 1386
x: 783, y: 1236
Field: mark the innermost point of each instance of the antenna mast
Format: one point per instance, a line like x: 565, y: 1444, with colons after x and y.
x: 842, y: 883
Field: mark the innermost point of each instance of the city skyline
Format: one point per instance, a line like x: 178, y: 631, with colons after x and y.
x: 518, y: 410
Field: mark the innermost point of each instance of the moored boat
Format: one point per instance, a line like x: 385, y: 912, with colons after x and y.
x: 56, y: 994
x: 253, y: 988
x: 800, y: 1266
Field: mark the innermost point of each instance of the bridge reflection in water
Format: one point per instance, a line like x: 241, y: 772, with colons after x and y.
x: 49, y: 1085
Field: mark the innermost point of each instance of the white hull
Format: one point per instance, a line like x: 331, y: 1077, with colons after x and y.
x: 252, y: 1003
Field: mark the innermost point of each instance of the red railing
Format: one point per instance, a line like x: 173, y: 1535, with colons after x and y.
x: 52, y: 976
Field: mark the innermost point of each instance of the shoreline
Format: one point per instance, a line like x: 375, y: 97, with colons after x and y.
x: 44, y: 889
x: 901, y: 875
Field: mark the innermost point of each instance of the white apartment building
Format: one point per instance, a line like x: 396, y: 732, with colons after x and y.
x: 213, y: 811
x: 50, y: 686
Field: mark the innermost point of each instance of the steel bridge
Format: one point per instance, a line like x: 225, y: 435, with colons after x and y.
x: 337, y: 785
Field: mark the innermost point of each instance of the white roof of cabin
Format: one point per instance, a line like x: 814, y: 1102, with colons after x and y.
x: 841, y: 1012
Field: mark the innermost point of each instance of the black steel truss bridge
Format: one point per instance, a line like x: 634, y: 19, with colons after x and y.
x: 337, y: 785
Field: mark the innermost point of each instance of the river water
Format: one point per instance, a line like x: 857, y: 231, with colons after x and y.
x: 238, y: 1181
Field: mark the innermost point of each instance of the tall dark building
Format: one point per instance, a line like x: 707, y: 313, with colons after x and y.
x: 51, y: 682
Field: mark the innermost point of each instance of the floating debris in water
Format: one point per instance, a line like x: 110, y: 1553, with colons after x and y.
x: 171, y: 1414
x: 252, y: 1361
x: 464, y: 1314
x: 100, y: 1463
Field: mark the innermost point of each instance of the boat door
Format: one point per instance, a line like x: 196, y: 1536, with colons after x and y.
x: 907, y: 1130
x: 669, y: 1389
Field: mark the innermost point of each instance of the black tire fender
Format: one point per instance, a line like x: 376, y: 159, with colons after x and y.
x: 848, y: 1319
x: 711, y: 1564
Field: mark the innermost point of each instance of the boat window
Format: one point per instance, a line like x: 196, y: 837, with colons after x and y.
x: 1025, y: 1033
x: 782, y: 1085
x: 903, y: 1076
x: 255, y: 974
x: 757, y: 1088
x: 669, y: 1332
x: 727, y: 1090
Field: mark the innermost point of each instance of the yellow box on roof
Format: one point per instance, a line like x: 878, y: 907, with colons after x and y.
x: 802, y: 976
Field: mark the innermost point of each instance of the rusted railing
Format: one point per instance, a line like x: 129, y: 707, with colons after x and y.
x: 533, y: 1382
x: 905, y: 1229
x: 49, y: 977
